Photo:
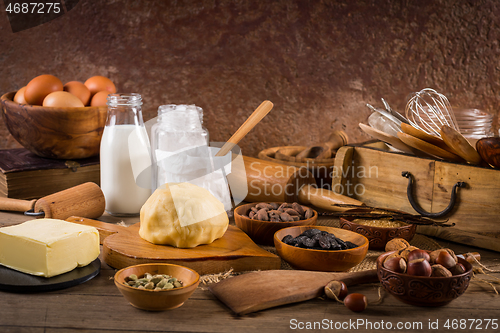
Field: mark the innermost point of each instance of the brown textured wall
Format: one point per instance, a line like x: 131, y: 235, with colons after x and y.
x: 319, y: 62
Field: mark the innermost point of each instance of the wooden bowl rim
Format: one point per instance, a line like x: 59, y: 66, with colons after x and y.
x: 314, y: 217
x: 380, y: 258
x: 365, y: 240
x: 119, y: 284
x: 8, y: 100
x: 384, y: 229
x: 347, y: 219
x: 310, y: 162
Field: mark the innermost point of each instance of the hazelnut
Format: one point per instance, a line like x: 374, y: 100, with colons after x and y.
x: 356, y: 302
x: 444, y: 258
x: 392, y: 255
x: 439, y: 271
x: 435, y: 254
x: 395, y: 264
x: 396, y: 244
x: 458, y: 269
x: 417, y: 254
x: 404, y: 253
x: 337, y: 288
x: 419, y: 267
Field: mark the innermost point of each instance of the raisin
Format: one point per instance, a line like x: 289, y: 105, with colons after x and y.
x: 309, y: 242
x: 350, y: 245
x: 324, y: 242
x: 310, y: 232
x: 288, y: 239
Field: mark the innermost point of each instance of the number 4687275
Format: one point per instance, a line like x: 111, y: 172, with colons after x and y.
x: 33, y: 8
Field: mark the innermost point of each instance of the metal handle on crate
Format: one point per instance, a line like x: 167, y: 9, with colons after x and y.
x: 419, y: 209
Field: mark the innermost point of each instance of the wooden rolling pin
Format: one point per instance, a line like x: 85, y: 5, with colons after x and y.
x: 86, y: 200
x: 269, y: 181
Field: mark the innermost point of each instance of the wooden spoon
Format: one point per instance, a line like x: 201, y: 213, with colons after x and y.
x: 432, y: 139
x: 428, y: 148
x: 392, y: 140
x: 460, y: 145
x: 250, y: 123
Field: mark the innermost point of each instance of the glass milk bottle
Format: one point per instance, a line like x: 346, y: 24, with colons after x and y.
x: 178, y: 127
x: 125, y: 156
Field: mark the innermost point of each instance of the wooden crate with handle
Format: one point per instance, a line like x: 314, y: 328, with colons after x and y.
x: 375, y: 177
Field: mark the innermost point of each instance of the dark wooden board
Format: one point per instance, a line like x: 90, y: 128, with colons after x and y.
x: 18, y: 282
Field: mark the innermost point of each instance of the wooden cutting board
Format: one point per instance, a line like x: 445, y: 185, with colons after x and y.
x: 257, y: 291
x: 123, y: 247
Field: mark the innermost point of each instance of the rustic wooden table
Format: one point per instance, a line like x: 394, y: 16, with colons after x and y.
x: 97, y: 306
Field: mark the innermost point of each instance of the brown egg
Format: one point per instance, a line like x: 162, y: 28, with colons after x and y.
x: 100, y: 83
x: 19, y: 96
x: 62, y: 99
x: 41, y: 86
x: 78, y: 89
x: 100, y: 98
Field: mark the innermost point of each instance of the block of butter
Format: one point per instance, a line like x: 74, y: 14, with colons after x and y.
x: 48, y: 247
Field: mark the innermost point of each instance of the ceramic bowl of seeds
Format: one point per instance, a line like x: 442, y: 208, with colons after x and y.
x: 320, y: 248
x: 261, y: 220
x: 156, y: 287
x: 379, y: 230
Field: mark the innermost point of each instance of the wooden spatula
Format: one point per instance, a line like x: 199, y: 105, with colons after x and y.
x: 257, y: 291
x: 460, y: 145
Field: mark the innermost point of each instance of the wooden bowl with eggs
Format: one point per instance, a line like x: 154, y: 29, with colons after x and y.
x: 55, y: 132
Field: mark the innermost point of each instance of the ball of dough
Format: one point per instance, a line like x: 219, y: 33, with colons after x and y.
x: 182, y: 215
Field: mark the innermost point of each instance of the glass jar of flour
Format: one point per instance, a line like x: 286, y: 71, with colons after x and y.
x: 178, y: 129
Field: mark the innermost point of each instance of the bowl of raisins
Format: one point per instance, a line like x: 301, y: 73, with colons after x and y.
x: 320, y: 248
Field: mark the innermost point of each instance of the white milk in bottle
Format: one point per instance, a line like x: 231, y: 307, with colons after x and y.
x: 125, y: 156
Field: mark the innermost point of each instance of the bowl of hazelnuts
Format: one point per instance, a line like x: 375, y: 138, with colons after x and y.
x: 420, y: 277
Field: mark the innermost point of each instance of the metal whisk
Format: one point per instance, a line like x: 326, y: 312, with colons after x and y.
x: 429, y: 110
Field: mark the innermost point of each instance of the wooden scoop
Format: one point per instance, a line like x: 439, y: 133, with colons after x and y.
x: 250, y: 123
x: 336, y: 140
x: 460, y: 145
x: 85, y: 200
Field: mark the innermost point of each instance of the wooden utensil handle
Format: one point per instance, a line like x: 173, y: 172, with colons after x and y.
x: 250, y: 123
x: 336, y: 140
x: 105, y: 229
x: 16, y: 205
x: 325, y: 199
x: 470, y: 257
